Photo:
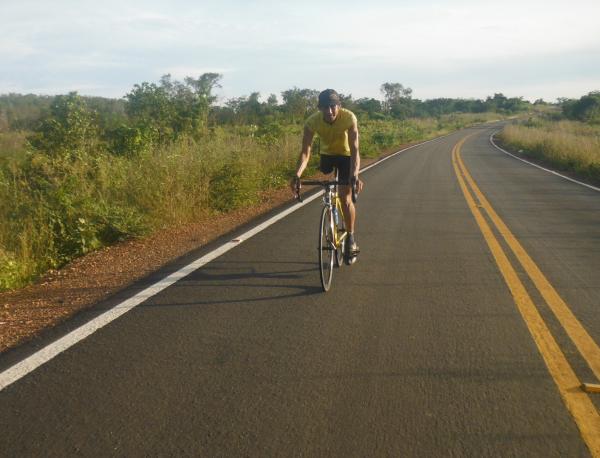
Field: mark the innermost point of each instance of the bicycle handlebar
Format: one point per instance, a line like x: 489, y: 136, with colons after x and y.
x: 326, y: 183
x: 323, y: 182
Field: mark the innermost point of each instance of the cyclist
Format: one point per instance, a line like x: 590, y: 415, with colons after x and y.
x: 337, y: 128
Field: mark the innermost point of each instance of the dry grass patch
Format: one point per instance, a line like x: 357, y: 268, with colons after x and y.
x: 568, y: 145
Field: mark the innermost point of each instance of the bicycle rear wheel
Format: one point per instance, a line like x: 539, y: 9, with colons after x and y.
x: 326, y: 248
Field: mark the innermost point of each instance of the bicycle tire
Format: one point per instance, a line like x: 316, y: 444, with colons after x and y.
x: 326, y: 254
x: 341, y: 229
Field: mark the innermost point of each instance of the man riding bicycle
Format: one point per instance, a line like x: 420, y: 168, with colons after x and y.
x: 337, y: 128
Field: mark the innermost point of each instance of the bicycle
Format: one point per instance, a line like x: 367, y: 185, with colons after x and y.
x: 332, y: 228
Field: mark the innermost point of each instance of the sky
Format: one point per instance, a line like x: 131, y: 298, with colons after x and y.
x: 448, y: 48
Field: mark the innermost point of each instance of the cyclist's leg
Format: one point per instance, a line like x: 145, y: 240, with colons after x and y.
x: 349, y: 210
x: 345, y: 192
x: 340, y: 166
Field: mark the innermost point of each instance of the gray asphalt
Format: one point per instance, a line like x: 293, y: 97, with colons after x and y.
x: 418, y: 349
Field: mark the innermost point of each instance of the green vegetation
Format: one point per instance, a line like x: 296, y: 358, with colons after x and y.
x: 586, y: 109
x: 78, y: 173
x: 568, y: 140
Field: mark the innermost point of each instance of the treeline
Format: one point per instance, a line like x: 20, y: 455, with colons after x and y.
x: 158, y: 113
x: 23, y: 112
x: 585, y: 109
x: 397, y: 104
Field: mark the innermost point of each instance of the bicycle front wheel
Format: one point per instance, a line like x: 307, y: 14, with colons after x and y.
x: 326, y: 248
x: 341, y: 234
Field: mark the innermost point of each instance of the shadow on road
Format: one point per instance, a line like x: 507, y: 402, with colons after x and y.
x: 245, y: 282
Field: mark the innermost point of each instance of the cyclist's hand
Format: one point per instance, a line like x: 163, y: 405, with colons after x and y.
x: 359, y: 184
x: 295, y: 187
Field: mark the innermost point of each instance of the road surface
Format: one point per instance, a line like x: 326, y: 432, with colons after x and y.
x: 464, y: 329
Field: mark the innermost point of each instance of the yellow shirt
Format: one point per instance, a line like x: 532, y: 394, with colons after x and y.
x: 334, y: 137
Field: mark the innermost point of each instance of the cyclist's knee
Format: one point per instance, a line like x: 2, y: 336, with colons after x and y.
x: 347, y: 199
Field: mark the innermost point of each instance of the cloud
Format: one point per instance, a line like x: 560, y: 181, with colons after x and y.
x: 271, y: 46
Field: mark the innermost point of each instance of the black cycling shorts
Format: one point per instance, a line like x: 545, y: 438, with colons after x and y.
x: 342, y: 163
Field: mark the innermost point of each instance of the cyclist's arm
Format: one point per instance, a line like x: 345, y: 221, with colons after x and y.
x: 305, y: 152
x: 302, y: 160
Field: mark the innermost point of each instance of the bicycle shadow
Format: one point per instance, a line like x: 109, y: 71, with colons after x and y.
x: 211, y: 273
x: 247, y: 281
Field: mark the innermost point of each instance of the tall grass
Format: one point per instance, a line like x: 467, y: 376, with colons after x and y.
x: 379, y: 135
x: 12, y: 147
x: 55, y: 208
x: 567, y: 145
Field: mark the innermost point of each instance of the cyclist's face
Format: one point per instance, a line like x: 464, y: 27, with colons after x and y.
x: 330, y: 112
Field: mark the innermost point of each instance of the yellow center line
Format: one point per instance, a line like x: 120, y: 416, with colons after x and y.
x: 576, y: 332
x: 578, y: 403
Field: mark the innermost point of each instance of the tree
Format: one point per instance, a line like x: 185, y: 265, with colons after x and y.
x: 253, y: 108
x: 437, y: 107
x: 501, y: 104
x: 248, y: 110
x: 150, y: 109
x: 221, y: 115
x: 515, y: 105
x: 298, y: 102
x: 586, y: 109
x: 24, y: 112
x: 348, y: 102
x: 69, y: 130
x: 370, y: 106
x: 4, y: 125
x: 172, y: 108
x: 204, y: 85
x: 394, y: 93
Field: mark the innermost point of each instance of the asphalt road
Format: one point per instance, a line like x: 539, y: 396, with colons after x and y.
x: 421, y: 348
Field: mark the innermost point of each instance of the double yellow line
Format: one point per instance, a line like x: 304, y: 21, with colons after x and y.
x: 578, y: 402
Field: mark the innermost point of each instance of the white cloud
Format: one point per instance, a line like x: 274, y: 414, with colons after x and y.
x: 461, y: 31
x: 270, y: 46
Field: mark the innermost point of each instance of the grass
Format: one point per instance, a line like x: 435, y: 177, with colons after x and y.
x: 569, y: 146
x: 56, y: 208
x: 12, y: 147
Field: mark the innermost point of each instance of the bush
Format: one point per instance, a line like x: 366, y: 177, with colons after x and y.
x: 586, y: 109
x: 129, y: 141
x: 11, y: 274
x: 69, y: 130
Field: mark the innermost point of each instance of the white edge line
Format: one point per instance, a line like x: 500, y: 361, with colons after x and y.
x: 42, y: 356
x: 540, y: 167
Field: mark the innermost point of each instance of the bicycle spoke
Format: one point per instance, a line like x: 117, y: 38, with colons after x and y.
x: 326, y: 253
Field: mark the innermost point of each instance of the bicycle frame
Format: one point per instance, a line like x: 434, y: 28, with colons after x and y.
x: 332, y: 229
x: 331, y: 232
x: 332, y: 199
